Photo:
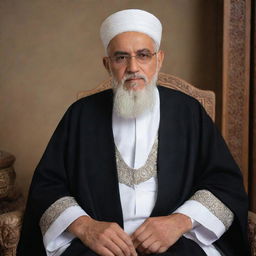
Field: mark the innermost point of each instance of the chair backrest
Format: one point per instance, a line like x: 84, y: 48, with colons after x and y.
x: 206, y: 98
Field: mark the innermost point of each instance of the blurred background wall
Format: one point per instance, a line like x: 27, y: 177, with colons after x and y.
x: 50, y: 50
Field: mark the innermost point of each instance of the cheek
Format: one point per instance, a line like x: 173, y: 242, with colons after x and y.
x: 118, y: 73
x: 150, y: 72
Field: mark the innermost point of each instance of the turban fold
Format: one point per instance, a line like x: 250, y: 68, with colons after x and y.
x: 130, y: 20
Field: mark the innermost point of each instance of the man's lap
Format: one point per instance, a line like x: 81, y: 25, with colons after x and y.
x: 183, y: 247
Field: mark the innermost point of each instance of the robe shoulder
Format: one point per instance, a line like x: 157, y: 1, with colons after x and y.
x: 178, y: 100
x: 93, y: 102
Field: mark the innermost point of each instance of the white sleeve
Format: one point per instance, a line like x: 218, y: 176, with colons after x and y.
x: 56, y: 239
x: 207, y: 228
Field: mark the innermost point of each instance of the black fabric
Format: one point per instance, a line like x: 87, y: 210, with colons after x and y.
x: 80, y: 161
x: 183, y: 247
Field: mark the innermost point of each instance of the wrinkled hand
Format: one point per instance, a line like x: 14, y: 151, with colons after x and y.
x: 104, y: 238
x: 157, y: 234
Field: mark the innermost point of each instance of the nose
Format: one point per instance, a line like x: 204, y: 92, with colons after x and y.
x: 132, y: 65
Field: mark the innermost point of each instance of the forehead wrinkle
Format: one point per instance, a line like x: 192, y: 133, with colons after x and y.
x: 130, y: 42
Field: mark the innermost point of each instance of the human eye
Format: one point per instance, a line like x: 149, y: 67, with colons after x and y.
x: 144, y: 55
x: 120, y: 58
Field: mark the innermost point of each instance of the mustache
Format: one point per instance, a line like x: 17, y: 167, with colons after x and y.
x: 135, y: 76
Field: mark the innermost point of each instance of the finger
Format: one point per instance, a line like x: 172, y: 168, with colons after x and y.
x: 153, y: 247
x: 126, y: 249
x: 144, y: 246
x: 117, y: 233
x: 138, y: 231
x: 104, y: 251
x: 162, y: 249
x: 125, y: 237
x: 141, y: 238
x: 113, y: 248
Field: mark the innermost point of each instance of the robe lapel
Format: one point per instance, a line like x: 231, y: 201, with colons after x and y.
x: 102, y: 172
x: 167, y: 164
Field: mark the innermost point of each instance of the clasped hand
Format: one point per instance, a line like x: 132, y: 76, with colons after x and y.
x: 155, y: 235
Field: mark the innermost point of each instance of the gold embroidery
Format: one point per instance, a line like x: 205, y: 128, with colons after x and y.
x: 54, y: 211
x: 130, y: 176
x: 215, y: 206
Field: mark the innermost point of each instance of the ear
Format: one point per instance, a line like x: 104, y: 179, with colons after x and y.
x: 160, y: 58
x: 106, y: 64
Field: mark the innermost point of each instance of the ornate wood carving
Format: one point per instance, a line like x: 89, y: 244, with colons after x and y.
x: 10, y: 224
x: 6, y: 159
x: 252, y: 232
x: 252, y: 141
x: 236, y: 45
x: 207, y: 98
x: 7, y: 179
x: 11, y: 206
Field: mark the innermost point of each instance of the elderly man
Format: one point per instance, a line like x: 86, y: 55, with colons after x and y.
x: 137, y: 170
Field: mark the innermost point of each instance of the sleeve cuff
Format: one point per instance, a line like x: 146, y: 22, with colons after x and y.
x: 56, y: 236
x: 207, y: 228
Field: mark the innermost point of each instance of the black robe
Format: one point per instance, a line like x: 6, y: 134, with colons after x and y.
x: 79, y: 161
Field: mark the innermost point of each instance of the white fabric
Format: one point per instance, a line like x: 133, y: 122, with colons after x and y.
x: 207, y: 228
x: 137, y: 203
x: 56, y: 238
x: 130, y: 20
x: 134, y: 139
x: 207, y: 220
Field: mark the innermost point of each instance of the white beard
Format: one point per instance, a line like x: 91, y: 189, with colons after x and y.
x: 133, y: 103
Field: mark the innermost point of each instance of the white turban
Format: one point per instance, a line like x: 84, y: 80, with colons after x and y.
x: 131, y: 20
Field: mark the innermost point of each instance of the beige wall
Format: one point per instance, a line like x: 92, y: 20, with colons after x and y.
x: 50, y: 49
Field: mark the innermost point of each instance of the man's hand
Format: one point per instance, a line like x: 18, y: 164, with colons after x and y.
x: 157, y: 234
x: 104, y: 238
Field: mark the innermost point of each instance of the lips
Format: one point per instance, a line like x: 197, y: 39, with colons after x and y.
x: 133, y: 79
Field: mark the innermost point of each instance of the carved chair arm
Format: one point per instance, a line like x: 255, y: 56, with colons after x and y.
x: 10, y: 225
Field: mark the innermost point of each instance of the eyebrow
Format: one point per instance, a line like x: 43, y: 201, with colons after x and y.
x: 144, y: 50
x: 126, y: 53
x: 120, y: 53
